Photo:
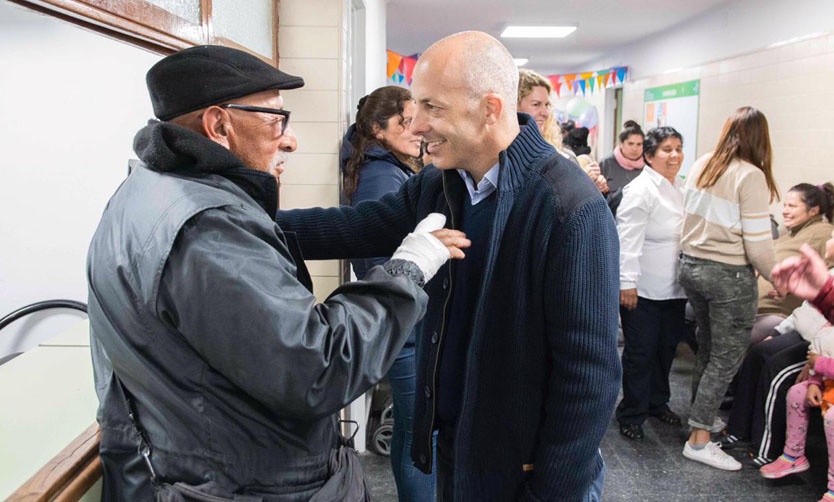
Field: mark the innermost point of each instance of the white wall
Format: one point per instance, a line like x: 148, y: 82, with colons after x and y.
x: 71, y: 102
x: 736, y: 28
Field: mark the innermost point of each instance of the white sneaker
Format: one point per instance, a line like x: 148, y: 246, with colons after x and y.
x: 711, y: 455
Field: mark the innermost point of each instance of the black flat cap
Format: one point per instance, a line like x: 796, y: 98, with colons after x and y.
x: 207, y: 75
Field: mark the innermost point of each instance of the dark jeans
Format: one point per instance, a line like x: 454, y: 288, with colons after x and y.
x: 412, y: 485
x: 724, y: 299
x: 769, y: 370
x: 651, y: 332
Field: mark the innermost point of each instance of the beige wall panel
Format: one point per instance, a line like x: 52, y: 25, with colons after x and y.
x: 313, y: 106
x: 323, y: 268
x: 317, y: 137
x: 323, y: 286
x: 310, y: 13
x: 301, y: 196
x: 311, y: 169
x: 318, y: 74
x: 309, y: 42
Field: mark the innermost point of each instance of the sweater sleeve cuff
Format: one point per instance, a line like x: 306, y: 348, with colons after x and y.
x: 824, y: 301
x: 406, y: 268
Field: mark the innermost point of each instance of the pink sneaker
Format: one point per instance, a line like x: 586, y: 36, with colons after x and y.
x: 782, y: 467
x: 827, y: 497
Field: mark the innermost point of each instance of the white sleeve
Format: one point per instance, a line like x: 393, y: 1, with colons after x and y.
x: 632, y: 218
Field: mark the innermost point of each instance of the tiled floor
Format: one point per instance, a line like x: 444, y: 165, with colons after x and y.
x: 654, y: 469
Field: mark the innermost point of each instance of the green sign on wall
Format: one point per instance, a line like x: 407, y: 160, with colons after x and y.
x: 675, y: 105
x: 673, y: 91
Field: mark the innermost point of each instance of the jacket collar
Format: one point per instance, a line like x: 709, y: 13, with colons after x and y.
x: 522, y: 158
x: 169, y: 148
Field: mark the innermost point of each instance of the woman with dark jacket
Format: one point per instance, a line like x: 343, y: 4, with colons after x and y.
x: 379, y: 153
x: 626, y: 163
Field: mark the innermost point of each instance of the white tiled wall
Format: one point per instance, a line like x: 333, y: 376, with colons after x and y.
x: 790, y: 84
x: 311, y: 44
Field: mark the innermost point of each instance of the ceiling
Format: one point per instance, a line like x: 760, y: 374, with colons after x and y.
x: 604, y: 25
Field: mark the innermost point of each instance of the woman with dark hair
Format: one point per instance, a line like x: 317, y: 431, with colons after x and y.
x: 772, y: 364
x: 652, y: 302
x: 379, y: 153
x: 726, y: 236
x: 807, y: 215
x: 577, y: 141
x: 627, y: 161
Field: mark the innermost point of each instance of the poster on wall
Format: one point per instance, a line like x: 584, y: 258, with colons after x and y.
x: 675, y: 105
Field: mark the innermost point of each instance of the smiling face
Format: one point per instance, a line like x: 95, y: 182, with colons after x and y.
x: 667, y: 158
x: 256, y: 137
x: 397, y: 135
x: 795, y: 211
x: 447, y: 117
x: 537, y: 104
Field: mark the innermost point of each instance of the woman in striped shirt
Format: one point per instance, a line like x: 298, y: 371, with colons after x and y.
x: 726, y: 239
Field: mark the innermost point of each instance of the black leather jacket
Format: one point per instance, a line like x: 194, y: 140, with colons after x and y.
x: 200, y: 307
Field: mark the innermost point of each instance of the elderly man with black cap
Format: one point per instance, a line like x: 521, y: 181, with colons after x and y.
x: 218, y: 375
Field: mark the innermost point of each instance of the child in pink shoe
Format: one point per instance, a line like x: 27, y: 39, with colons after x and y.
x: 817, y: 392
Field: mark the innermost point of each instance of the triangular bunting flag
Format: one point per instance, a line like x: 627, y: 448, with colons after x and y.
x: 621, y: 74
x: 393, y: 63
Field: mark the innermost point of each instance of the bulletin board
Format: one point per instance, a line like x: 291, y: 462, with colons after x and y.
x: 675, y: 105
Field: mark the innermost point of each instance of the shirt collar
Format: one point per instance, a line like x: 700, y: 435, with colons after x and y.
x: 658, y: 178
x: 487, y: 185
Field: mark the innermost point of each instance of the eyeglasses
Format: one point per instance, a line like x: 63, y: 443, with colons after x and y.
x: 282, y: 122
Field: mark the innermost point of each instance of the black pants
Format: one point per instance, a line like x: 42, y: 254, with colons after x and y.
x: 651, y: 332
x: 770, y: 368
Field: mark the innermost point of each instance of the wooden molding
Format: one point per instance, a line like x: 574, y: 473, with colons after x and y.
x: 70, y: 473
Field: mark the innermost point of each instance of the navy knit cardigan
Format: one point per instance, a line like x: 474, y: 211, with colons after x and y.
x: 542, y: 371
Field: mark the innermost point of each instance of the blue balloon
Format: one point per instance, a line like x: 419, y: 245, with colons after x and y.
x: 589, y: 118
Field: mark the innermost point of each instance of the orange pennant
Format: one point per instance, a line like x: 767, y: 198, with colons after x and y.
x: 393, y: 63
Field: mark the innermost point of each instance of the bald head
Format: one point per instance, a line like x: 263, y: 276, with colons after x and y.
x: 477, y: 62
x: 465, y: 87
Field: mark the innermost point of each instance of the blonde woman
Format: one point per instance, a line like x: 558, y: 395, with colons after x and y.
x: 534, y: 99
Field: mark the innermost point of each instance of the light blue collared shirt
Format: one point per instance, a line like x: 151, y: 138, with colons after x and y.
x: 487, y: 185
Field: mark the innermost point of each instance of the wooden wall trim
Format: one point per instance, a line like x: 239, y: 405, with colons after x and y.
x: 68, y: 475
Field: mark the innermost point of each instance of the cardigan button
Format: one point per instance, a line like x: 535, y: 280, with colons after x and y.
x: 423, y: 458
x: 445, y: 283
x: 434, y: 337
x: 427, y: 391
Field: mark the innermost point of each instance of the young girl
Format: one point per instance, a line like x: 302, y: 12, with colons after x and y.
x: 816, y: 392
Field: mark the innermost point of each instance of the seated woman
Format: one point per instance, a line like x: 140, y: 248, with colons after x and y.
x: 805, y: 206
x: 772, y: 366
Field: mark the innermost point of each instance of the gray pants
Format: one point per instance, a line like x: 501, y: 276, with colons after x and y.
x: 724, y: 299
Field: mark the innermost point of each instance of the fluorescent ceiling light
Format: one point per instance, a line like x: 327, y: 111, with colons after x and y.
x: 537, y: 31
x: 520, y: 61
